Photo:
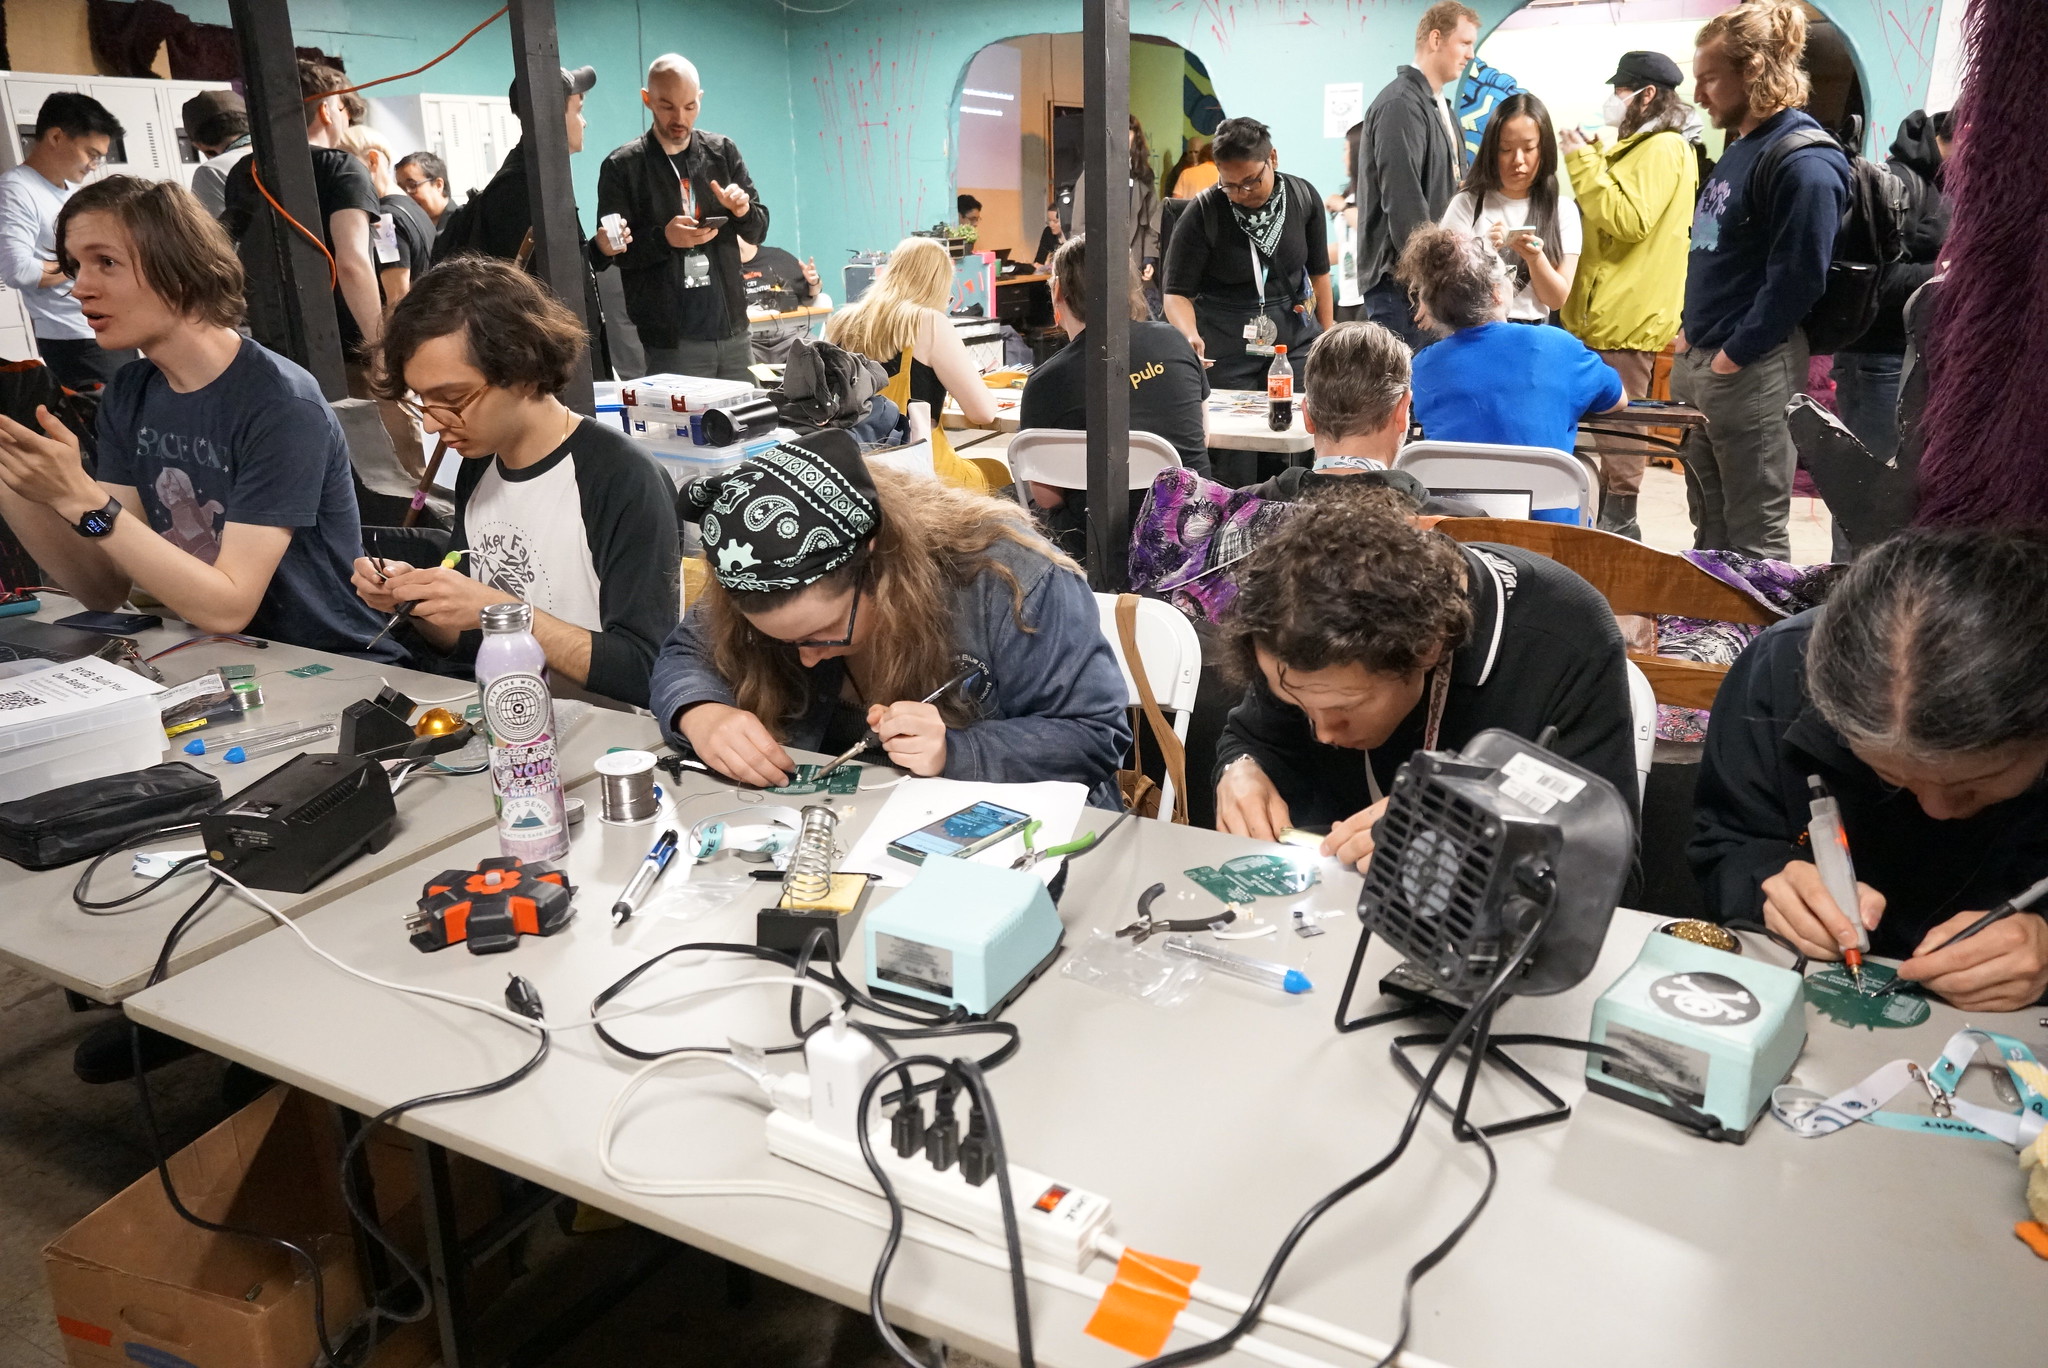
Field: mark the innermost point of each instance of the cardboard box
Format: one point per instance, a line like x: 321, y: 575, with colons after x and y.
x: 136, y: 1283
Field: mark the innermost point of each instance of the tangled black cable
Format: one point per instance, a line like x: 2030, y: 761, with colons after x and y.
x: 1466, y: 1024
x: 162, y: 833
x: 969, y: 1078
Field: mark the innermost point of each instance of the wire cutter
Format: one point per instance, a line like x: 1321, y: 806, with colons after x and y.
x: 1146, y: 927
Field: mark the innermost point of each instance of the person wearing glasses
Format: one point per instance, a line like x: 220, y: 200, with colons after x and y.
x: 72, y: 137
x: 849, y: 602
x: 551, y: 508
x: 222, y: 486
x: 1248, y: 266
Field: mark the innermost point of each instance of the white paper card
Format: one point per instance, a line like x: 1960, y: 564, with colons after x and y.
x: 1343, y: 106
x: 916, y: 802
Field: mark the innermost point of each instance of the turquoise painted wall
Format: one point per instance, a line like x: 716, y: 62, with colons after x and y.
x: 739, y: 45
x: 845, y: 119
x: 872, y: 85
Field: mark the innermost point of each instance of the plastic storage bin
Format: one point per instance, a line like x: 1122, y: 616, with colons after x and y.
x: 114, y: 738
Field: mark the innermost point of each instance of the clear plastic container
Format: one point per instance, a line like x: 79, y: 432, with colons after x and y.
x: 115, y: 738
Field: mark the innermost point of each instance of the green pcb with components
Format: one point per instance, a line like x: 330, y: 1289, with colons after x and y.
x: 1832, y: 990
x: 1254, y: 876
x: 844, y: 780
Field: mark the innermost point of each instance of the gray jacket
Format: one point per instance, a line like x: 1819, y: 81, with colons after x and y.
x: 1051, y: 700
x: 1406, y: 172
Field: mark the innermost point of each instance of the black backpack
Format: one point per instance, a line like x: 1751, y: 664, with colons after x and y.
x: 1871, y: 237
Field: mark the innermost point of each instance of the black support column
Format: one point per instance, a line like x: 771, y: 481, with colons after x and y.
x: 297, y: 299
x: 538, y: 99
x: 1106, y: 95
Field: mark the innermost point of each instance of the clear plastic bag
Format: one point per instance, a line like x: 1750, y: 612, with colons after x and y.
x: 690, y: 898
x: 1133, y: 971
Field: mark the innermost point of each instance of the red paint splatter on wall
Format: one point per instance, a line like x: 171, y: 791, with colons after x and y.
x: 868, y: 104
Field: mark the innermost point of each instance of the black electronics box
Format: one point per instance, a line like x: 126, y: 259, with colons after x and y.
x: 301, y: 822
x: 787, y: 928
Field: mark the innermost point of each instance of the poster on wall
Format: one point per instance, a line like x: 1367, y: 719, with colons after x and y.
x: 1343, y: 106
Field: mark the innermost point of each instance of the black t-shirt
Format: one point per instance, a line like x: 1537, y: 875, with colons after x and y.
x: 775, y: 280
x: 1168, y: 385
x: 700, y: 305
x: 340, y: 182
x: 1209, y: 257
x: 1048, y: 243
x: 412, y: 235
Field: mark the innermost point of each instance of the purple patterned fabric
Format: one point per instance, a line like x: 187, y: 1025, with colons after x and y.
x: 1188, y: 531
x: 1778, y: 586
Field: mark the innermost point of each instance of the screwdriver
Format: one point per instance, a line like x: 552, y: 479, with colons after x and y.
x: 405, y: 606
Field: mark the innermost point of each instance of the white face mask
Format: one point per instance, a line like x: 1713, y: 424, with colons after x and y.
x: 1615, y: 109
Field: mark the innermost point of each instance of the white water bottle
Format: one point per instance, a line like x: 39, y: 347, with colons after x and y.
x: 519, y: 717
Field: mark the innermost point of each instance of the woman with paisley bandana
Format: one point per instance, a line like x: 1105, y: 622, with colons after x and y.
x: 841, y: 594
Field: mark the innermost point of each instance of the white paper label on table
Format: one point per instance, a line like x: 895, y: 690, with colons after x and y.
x: 917, y: 802
x: 66, y: 690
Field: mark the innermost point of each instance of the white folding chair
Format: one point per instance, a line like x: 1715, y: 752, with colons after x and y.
x: 1172, y: 656
x: 1059, y: 457
x: 1558, y: 484
x: 1642, y: 707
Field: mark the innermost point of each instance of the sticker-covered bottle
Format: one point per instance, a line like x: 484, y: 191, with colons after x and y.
x: 519, y: 717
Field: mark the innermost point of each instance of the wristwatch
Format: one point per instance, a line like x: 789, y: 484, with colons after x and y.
x: 100, y: 521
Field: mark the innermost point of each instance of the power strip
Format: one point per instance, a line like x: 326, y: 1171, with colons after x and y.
x: 1055, y: 1221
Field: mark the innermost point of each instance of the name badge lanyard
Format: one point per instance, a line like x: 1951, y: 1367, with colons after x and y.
x: 1440, y: 680
x: 1261, y: 331
x: 696, y: 266
x: 1809, y: 1114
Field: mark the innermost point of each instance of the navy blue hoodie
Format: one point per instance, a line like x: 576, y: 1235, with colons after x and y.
x: 1750, y: 282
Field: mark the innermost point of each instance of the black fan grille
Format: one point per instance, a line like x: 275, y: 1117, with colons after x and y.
x: 332, y: 799
x: 1425, y: 891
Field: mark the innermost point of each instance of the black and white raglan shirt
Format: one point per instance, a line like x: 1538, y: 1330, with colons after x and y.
x: 586, y: 534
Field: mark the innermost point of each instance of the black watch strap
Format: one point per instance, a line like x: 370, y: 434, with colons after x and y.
x: 100, y: 521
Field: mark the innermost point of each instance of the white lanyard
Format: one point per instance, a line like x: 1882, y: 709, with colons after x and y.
x: 1809, y: 1114
x: 1258, y: 269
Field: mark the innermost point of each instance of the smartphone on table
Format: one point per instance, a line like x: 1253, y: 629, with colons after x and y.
x: 112, y: 624
x: 963, y: 833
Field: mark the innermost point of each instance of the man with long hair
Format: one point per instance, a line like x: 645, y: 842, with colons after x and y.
x: 223, y: 486
x: 1759, y: 262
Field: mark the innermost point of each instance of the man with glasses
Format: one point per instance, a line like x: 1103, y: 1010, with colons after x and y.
x: 424, y: 176
x: 73, y: 136
x: 552, y: 509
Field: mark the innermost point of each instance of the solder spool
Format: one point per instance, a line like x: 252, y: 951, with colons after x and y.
x: 812, y: 862
x: 628, y: 797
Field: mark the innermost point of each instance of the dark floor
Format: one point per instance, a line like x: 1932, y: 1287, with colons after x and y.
x: 65, y: 1148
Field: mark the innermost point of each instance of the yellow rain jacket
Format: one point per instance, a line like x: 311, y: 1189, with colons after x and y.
x: 1636, y: 201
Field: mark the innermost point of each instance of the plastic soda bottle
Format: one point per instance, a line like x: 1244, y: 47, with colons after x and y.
x: 1280, y: 391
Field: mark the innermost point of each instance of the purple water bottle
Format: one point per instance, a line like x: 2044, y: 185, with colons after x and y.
x: 519, y: 716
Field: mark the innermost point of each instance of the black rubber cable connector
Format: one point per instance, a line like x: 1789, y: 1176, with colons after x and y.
x: 942, y: 1141
x: 977, y: 1153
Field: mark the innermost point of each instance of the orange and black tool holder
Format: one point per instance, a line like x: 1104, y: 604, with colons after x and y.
x: 490, y: 907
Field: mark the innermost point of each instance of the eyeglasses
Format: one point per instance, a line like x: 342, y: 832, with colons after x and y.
x: 1247, y: 186
x: 852, y: 616
x: 445, y: 415
x: 412, y: 187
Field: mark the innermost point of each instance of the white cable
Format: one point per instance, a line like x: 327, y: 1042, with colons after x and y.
x: 1286, y: 1319
x: 965, y: 1247
x: 506, y: 1014
x: 888, y: 784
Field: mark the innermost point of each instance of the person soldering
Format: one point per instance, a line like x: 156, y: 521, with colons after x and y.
x: 551, y: 508
x: 842, y: 594
x: 1918, y: 695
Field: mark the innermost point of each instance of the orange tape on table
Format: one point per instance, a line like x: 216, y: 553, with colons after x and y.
x: 1136, y: 1313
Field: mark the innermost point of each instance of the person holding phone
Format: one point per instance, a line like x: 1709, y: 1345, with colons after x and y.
x: 842, y: 596
x: 223, y: 485
x: 1510, y: 198
x: 688, y: 202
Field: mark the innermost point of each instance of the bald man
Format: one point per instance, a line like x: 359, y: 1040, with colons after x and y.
x: 687, y: 202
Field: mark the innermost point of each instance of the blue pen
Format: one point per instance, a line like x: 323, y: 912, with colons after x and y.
x: 643, y: 879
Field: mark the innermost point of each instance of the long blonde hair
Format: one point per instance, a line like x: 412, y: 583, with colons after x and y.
x: 1764, y: 40
x: 918, y: 280
x: 932, y: 538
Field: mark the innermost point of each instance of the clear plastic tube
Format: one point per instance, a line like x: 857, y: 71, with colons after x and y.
x: 291, y: 741
x: 1240, y: 966
x: 200, y: 745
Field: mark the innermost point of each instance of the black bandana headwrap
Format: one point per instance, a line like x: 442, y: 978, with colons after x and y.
x: 788, y: 517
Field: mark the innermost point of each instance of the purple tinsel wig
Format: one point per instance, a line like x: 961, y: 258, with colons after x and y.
x: 1986, y: 459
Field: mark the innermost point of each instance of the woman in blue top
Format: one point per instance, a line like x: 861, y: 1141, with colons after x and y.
x: 1491, y: 380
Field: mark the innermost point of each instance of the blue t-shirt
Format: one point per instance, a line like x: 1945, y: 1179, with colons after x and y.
x: 1510, y: 384
x: 258, y: 445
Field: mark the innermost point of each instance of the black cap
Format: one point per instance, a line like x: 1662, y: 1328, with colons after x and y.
x: 577, y: 82
x: 1638, y: 69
